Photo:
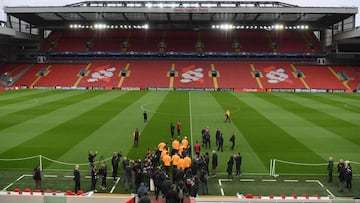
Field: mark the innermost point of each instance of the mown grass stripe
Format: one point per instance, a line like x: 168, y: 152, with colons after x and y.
x: 173, y: 107
x: 263, y: 135
x: 58, y: 140
x: 29, y: 129
x: 116, y: 134
x: 320, y: 140
x: 34, y: 101
x: 57, y: 101
x: 207, y: 112
x: 15, y: 98
x: 310, y: 110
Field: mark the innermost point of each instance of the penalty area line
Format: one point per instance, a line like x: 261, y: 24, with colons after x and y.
x: 18, y: 179
x: 113, y: 187
x: 315, y: 181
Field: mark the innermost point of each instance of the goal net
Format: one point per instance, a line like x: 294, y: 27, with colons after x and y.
x: 278, y: 167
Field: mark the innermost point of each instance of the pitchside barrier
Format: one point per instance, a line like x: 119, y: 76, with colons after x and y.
x: 324, y: 165
x: 41, y: 159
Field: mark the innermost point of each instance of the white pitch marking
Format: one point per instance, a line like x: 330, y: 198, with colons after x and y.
x: 50, y: 176
x: 21, y: 177
x: 328, y: 191
x: 268, y: 180
x: 113, y: 188
x: 222, y: 191
x: 291, y: 181
x: 8, y: 186
x: 247, y: 180
x: 315, y: 181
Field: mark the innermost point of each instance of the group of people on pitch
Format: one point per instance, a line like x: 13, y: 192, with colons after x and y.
x: 344, y: 172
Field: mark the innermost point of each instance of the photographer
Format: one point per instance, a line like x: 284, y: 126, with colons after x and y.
x: 115, y: 164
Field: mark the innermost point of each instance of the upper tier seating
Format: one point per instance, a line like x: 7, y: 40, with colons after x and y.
x: 183, y: 41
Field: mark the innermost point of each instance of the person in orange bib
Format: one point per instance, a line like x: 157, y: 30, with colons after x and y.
x: 167, y: 163
x: 227, y: 116
x: 161, y: 146
x: 185, y: 142
x: 175, y: 146
x: 175, y: 159
x: 181, y: 164
x: 187, y: 162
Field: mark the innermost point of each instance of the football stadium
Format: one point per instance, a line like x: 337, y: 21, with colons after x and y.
x: 179, y: 101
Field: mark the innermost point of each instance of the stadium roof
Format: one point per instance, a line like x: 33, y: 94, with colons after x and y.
x: 180, y: 14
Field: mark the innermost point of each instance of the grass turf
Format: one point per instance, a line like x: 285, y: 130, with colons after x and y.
x: 64, y: 125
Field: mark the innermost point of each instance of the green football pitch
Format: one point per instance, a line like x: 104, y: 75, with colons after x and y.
x: 298, y: 130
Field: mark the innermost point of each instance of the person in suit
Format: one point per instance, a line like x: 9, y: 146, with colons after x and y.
x: 77, y: 178
x: 214, y: 163
x: 37, y: 177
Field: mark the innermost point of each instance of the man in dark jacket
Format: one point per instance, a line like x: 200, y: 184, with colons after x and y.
x: 238, y: 161
x: 77, y: 178
x: 37, y: 177
x: 214, y: 163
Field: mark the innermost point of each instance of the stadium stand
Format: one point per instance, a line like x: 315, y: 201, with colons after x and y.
x: 144, y: 74
x: 101, y: 74
x: 107, y: 41
x: 278, y: 75
x: 254, y: 41
x: 235, y: 75
x: 72, y: 41
x: 63, y: 75
x: 321, y: 77
x: 246, y: 59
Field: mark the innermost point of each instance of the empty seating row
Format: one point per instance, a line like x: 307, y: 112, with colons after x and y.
x: 190, y: 74
x: 183, y: 41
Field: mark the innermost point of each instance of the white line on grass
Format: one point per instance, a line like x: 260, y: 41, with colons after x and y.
x: 50, y: 176
x: 113, y: 187
x: 68, y: 176
x: 5, y: 188
x: 315, y: 181
x: 268, y: 180
x: 291, y: 181
x: 18, y: 179
x: 191, y: 130
x: 222, y: 191
x: 328, y: 191
x: 21, y: 177
x: 247, y: 180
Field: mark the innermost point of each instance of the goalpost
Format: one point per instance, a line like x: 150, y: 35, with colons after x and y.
x: 274, y: 162
x: 39, y: 160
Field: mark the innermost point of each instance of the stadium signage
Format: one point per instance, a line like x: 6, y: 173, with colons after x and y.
x: 159, y: 89
x: 281, y: 90
x: 131, y: 88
